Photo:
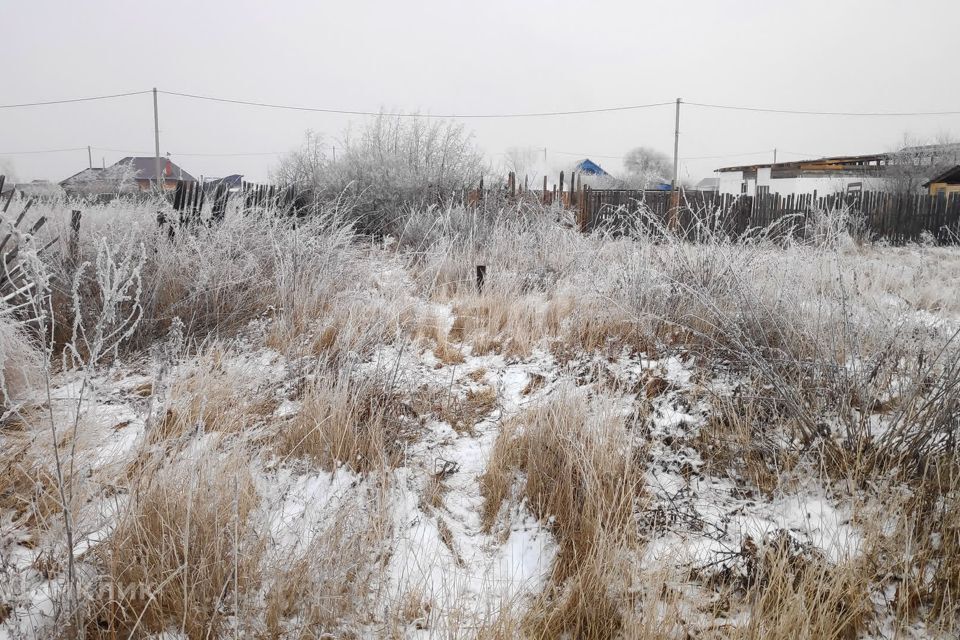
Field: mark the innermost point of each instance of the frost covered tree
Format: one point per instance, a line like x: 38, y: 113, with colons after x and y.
x: 647, y: 167
x: 917, y: 161
x: 392, y: 162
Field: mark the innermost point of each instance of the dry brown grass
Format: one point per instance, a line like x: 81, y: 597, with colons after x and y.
x: 28, y: 485
x: 791, y: 591
x: 432, y: 329
x: 360, y: 424
x: 746, y: 439
x: 460, y: 411
x: 913, y: 533
x: 213, y: 397
x: 500, y: 323
x: 332, y: 330
x: 580, y: 474
x: 179, y: 556
x: 590, y: 326
x: 325, y: 589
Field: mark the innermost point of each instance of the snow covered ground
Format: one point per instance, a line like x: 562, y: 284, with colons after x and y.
x: 400, y: 548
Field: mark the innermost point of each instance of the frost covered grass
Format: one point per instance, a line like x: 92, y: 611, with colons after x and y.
x: 277, y: 429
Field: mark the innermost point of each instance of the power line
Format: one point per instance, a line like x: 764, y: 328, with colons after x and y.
x: 621, y: 156
x: 230, y: 155
x: 809, y: 155
x: 414, y: 115
x: 23, y: 153
x: 179, y: 153
x: 824, y: 113
x: 70, y: 100
x: 589, y: 155
x: 729, y: 155
x: 488, y: 115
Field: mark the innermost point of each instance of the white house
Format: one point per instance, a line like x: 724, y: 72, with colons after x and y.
x: 823, y: 175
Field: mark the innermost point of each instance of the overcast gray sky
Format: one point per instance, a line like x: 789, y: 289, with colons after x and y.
x: 479, y: 57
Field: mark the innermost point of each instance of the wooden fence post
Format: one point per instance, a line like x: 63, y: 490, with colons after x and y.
x: 74, y: 245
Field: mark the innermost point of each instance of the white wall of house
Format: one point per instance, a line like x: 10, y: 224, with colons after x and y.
x: 731, y: 182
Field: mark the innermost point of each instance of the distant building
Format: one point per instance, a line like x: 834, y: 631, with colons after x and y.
x: 126, y: 177
x: 40, y: 189
x: 708, y: 184
x: 142, y: 171
x: 588, y: 167
x: 92, y: 182
x: 233, y: 182
x: 946, y: 183
x: 823, y: 175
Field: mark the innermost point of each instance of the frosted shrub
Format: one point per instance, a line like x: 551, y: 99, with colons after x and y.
x: 20, y: 363
x: 837, y: 228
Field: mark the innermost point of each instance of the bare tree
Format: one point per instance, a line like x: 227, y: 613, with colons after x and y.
x: 917, y: 161
x: 523, y: 161
x: 647, y: 167
x: 305, y: 165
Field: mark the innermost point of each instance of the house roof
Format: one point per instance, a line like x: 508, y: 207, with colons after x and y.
x: 87, y: 175
x: 233, y: 180
x: 950, y: 176
x: 708, y: 183
x: 818, y: 164
x: 590, y: 168
x: 144, y: 168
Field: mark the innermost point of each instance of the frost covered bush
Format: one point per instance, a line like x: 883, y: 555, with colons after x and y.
x: 837, y: 228
x: 214, y: 278
x: 20, y: 363
x: 390, y: 164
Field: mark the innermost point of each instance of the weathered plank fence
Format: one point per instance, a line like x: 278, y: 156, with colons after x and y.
x: 897, y: 218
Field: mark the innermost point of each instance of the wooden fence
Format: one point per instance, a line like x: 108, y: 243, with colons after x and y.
x: 897, y: 218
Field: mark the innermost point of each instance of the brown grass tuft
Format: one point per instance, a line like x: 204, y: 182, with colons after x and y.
x: 581, y: 474
x: 359, y: 424
x: 178, y: 552
x: 211, y: 397
x: 325, y: 589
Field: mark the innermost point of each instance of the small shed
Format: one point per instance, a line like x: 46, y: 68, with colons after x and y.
x: 946, y: 183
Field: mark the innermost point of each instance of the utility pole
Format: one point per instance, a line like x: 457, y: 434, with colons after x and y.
x: 675, y: 199
x: 89, y: 157
x: 544, y: 156
x: 156, y: 140
x: 676, y: 149
x: 774, y: 155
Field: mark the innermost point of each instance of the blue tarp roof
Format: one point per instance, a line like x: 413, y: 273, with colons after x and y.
x: 590, y: 168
